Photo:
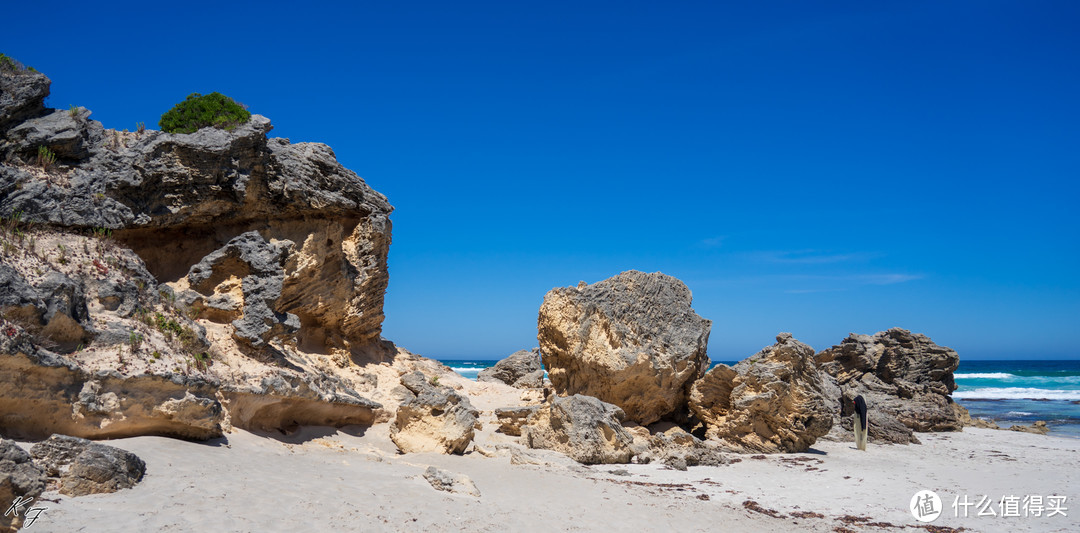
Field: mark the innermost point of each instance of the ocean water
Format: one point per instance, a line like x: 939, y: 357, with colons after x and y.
x: 1007, y: 392
x: 1021, y: 392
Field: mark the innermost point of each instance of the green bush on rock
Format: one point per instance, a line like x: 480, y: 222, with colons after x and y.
x: 198, y: 111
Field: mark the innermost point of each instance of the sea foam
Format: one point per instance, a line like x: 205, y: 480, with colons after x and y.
x: 1016, y: 393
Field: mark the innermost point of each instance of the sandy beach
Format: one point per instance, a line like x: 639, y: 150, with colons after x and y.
x: 322, y: 479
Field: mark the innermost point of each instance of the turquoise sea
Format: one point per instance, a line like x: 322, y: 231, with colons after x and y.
x: 1007, y: 392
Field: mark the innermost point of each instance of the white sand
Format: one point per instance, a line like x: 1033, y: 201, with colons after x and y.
x: 329, y: 480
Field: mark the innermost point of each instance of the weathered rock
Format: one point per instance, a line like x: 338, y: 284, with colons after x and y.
x: 69, y: 135
x: 286, y: 400
x: 678, y: 449
x: 199, y: 191
x: 522, y: 369
x: 46, y: 393
x: 451, y: 482
x: 257, y: 263
x: 967, y: 420
x: 1038, y: 427
x: 437, y: 419
x: 881, y: 428
x: 286, y: 251
x: 513, y: 419
x: 86, y: 467
x: 66, y: 317
x: 631, y: 340
x: 773, y: 401
x: 22, y: 96
x: 902, y: 376
x: 55, y: 308
x: 586, y: 429
x: 19, y: 478
x: 19, y: 300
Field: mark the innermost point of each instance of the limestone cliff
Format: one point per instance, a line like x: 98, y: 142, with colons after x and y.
x: 157, y: 283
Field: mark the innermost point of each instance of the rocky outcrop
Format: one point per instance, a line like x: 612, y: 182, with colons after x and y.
x: 19, y: 478
x: 199, y: 191
x: 55, y: 308
x: 631, y: 340
x: 84, y: 467
x: 166, y: 283
x: 434, y: 419
x: 903, y: 377
x: 773, y: 401
x: 46, y: 393
x: 1038, y: 427
x: 257, y: 264
x: 676, y: 448
x: 522, y: 369
x: 451, y: 482
x: 22, y: 97
x: 513, y: 419
x: 586, y: 429
x: 287, y: 400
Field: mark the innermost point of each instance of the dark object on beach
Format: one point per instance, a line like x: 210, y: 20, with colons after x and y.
x: 860, y: 423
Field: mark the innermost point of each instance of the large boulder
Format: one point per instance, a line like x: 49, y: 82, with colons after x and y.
x: 19, y: 478
x: 86, y: 467
x: 774, y: 401
x: 522, y: 369
x: 904, y: 377
x: 434, y: 419
x: 631, y: 340
x: 586, y: 429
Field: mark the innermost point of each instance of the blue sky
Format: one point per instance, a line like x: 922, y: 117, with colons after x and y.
x: 819, y: 168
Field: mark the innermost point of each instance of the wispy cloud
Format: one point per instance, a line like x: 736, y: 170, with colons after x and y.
x: 810, y: 283
x: 887, y: 279
x: 810, y: 257
x: 714, y: 242
x: 811, y: 291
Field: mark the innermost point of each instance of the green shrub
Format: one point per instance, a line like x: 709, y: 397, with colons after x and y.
x: 10, y: 64
x: 45, y: 157
x: 198, y: 111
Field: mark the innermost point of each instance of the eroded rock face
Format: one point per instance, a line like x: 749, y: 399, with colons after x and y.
x: 522, y: 369
x: 168, y: 282
x: 678, y: 449
x: 513, y: 419
x: 586, y: 429
x: 435, y: 419
x: 773, y: 401
x: 19, y: 478
x: 85, y: 467
x: 902, y: 376
x: 46, y: 394
x: 286, y: 400
x: 257, y: 264
x: 631, y: 340
x: 197, y: 192
x: 22, y: 97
